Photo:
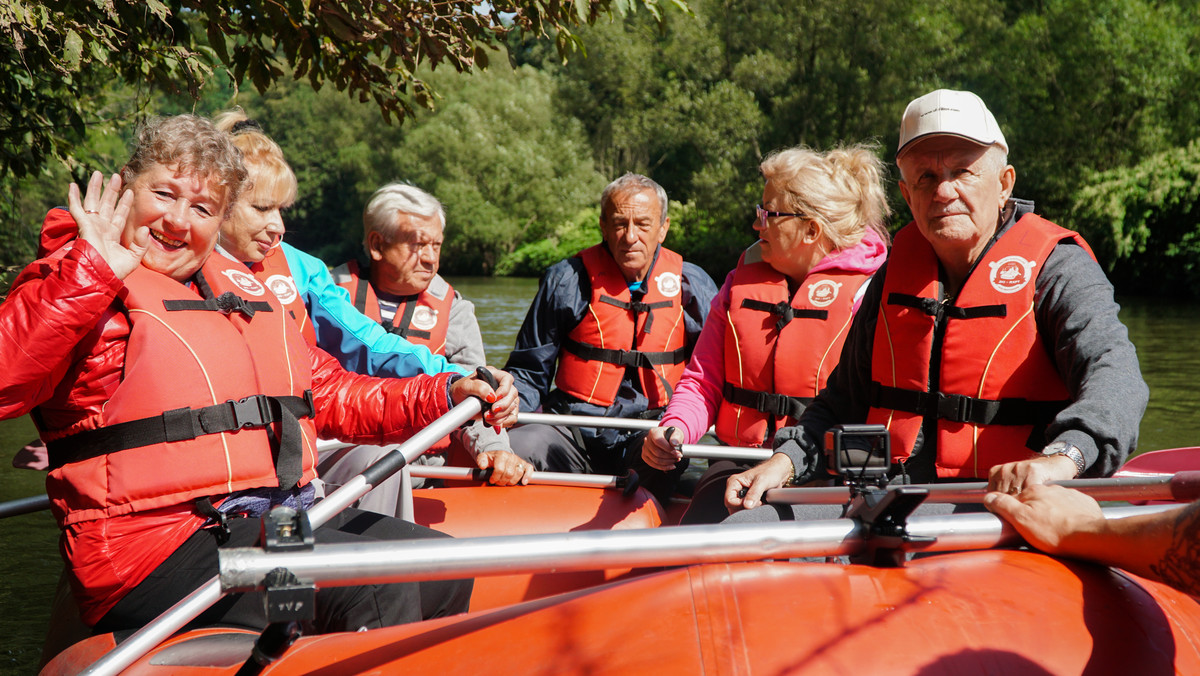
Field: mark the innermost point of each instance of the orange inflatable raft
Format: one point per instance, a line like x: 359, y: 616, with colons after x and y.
x: 993, y: 612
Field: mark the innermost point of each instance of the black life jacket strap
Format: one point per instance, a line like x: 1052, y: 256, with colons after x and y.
x: 638, y: 306
x: 404, y: 312
x: 183, y: 424
x: 766, y: 402
x: 963, y: 409
x: 645, y: 360
x: 784, y: 311
x: 360, y: 294
x: 220, y: 520
x: 932, y: 307
x: 226, y: 303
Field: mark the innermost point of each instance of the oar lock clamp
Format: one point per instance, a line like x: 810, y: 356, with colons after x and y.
x: 286, y: 598
x: 862, y: 456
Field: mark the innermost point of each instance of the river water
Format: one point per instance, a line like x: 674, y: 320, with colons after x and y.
x: 1163, y: 332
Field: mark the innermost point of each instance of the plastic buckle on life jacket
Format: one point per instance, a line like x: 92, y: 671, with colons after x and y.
x: 253, y: 411
x: 955, y: 407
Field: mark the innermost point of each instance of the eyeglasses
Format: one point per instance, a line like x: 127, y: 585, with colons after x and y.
x: 763, y: 214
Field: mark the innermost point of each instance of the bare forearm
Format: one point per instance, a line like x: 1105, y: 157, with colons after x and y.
x: 1163, y: 546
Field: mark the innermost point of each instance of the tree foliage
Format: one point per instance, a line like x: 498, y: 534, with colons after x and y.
x: 56, y: 56
x: 1144, y: 222
x: 1095, y: 98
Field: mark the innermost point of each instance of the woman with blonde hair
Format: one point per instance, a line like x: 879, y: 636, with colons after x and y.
x: 253, y: 234
x: 776, y: 328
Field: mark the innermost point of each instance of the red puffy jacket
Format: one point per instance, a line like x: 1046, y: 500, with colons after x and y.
x: 63, y: 343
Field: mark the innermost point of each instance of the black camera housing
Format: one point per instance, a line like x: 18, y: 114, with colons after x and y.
x: 859, y: 454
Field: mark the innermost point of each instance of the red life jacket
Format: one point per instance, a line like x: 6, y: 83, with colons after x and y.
x: 617, y: 332
x: 190, y: 357
x: 997, y: 387
x: 275, y: 272
x: 779, y: 347
x: 423, y: 319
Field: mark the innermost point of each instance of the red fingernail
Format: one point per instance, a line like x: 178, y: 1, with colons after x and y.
x: 491, y: 398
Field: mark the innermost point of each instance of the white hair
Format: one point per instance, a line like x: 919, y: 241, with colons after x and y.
x: 380, y: 214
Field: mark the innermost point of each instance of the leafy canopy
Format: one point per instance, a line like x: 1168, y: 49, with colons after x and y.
x: 57, y: 56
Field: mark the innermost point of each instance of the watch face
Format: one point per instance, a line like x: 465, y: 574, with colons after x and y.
x: 1056, y: 448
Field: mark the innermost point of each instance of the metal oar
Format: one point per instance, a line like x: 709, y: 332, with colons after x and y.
x: 585, y: 421
x: 1179, y: 487
x: 626, y: 483
x: 24, y: 506
x: 173, y: 619
x: 689, y: 450
x: 243, y: 569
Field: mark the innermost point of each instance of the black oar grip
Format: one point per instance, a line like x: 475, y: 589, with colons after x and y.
x: 482, y: 373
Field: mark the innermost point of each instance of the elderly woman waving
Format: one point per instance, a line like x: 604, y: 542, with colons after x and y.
x: 176, y: 396
x: 777, y: 326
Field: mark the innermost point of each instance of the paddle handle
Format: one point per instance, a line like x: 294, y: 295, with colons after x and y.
x: 1185, y: 486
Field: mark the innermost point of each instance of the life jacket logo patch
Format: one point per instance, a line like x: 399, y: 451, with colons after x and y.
x: 245, y: 281
x: 823, y: 293
x: 1010, y: 274
x: 669, y: 284
x: 424, y: 318
x: 283, y: 287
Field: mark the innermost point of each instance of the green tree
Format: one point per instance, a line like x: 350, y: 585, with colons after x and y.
x: 58, y: 55
x: 508, y: 169
x: 1144, y: 222
x: 74, y: 69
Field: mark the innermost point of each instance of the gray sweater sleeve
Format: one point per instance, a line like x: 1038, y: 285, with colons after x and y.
x: 1077, y: 317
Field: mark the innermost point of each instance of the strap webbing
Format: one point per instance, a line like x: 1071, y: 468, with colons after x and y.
x: 183, y: 424
x: 226, y: 303
x: 767, y: 402
x: 636, y: 358
x: 963, y: 409
x: 784, y: 311
x: 638, y: 307
x: 931, y: 307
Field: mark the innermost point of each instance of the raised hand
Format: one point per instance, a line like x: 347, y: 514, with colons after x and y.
x: 101, y: 215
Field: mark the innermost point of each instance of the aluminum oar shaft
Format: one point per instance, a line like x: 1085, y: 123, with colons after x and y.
x: 24, y: 506
x: 741, y: 453
x: 535, y: 478
x: 585, y: 421
x: 1180, y: 487
x: 243, y: 569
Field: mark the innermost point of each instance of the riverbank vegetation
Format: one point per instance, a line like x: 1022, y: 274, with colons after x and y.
x: 1096, y: 97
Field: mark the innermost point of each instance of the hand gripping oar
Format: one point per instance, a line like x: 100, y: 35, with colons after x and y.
x: 189, y: 608
x: 1180, y: 487
x: 739, y: 453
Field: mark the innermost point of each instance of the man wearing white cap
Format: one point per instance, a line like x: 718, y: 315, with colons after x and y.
x: 988, y: 345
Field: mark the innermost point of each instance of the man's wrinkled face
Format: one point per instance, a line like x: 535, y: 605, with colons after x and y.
x: 955, y: 189
x: 406, y: 264
x: 633, y: 229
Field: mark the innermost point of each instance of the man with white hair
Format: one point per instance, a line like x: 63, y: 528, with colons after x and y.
x: 988, y: 345
x: 401, y: 289
x: 402, y: 238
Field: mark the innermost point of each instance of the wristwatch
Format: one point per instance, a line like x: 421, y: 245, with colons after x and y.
x: 1063, y: 448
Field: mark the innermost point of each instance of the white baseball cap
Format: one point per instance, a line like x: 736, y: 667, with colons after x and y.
x: 952, y: 113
